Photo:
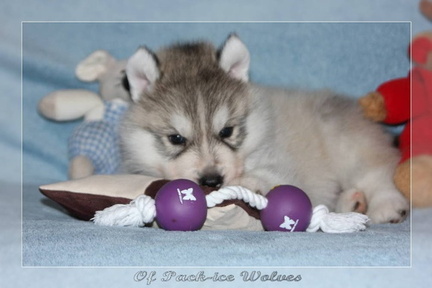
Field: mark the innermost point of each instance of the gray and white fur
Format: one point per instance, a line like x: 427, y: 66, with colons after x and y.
x: 196, y: 116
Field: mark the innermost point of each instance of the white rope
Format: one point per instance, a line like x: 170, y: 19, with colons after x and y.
x: 137, y: 213
x: 336, y: 222
x: 236, y: 192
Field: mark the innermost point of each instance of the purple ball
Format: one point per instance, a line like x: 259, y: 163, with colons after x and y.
x: 181, y: 206
x: 289, y: 209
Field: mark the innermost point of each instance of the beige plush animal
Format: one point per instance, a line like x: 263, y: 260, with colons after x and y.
x: 101, y: 114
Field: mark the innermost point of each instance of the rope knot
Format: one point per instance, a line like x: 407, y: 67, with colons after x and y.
x: 336, y: 222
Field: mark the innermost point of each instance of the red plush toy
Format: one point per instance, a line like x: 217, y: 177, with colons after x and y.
x: 391, y: 103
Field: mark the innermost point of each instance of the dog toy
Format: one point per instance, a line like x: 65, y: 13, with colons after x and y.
x: 390, y: 104
x: 290, y: 204
x: 93, y: 146
x: 287, y: 208
x: 181, y: 205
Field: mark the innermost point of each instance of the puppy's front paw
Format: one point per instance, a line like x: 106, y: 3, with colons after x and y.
x: 393, y: 209
x: 352, y: 201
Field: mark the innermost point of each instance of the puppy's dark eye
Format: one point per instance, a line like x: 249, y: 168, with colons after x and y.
x: 226, y: 132
x: 177, y: 139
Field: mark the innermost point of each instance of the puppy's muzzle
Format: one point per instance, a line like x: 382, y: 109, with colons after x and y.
x: 211, y: 180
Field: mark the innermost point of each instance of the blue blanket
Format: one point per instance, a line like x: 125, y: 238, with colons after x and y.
x: 351, y: 58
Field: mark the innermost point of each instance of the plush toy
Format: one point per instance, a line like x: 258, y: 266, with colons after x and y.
x: 93, y: 146
x: 426, y: 8
x: 391, y: 103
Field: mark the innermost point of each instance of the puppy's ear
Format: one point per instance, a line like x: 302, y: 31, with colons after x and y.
x: 234, y: 58
x: 142, y: 71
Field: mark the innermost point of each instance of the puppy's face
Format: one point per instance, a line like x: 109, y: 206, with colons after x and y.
x: 190, y: 111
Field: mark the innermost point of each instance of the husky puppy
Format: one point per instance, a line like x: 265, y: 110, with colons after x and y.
x: 196, y: 116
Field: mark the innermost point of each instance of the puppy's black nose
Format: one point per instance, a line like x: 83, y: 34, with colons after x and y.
x: 211, y: 180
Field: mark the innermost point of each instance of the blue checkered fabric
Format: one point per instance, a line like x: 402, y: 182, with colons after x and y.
x: 99, y: 140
